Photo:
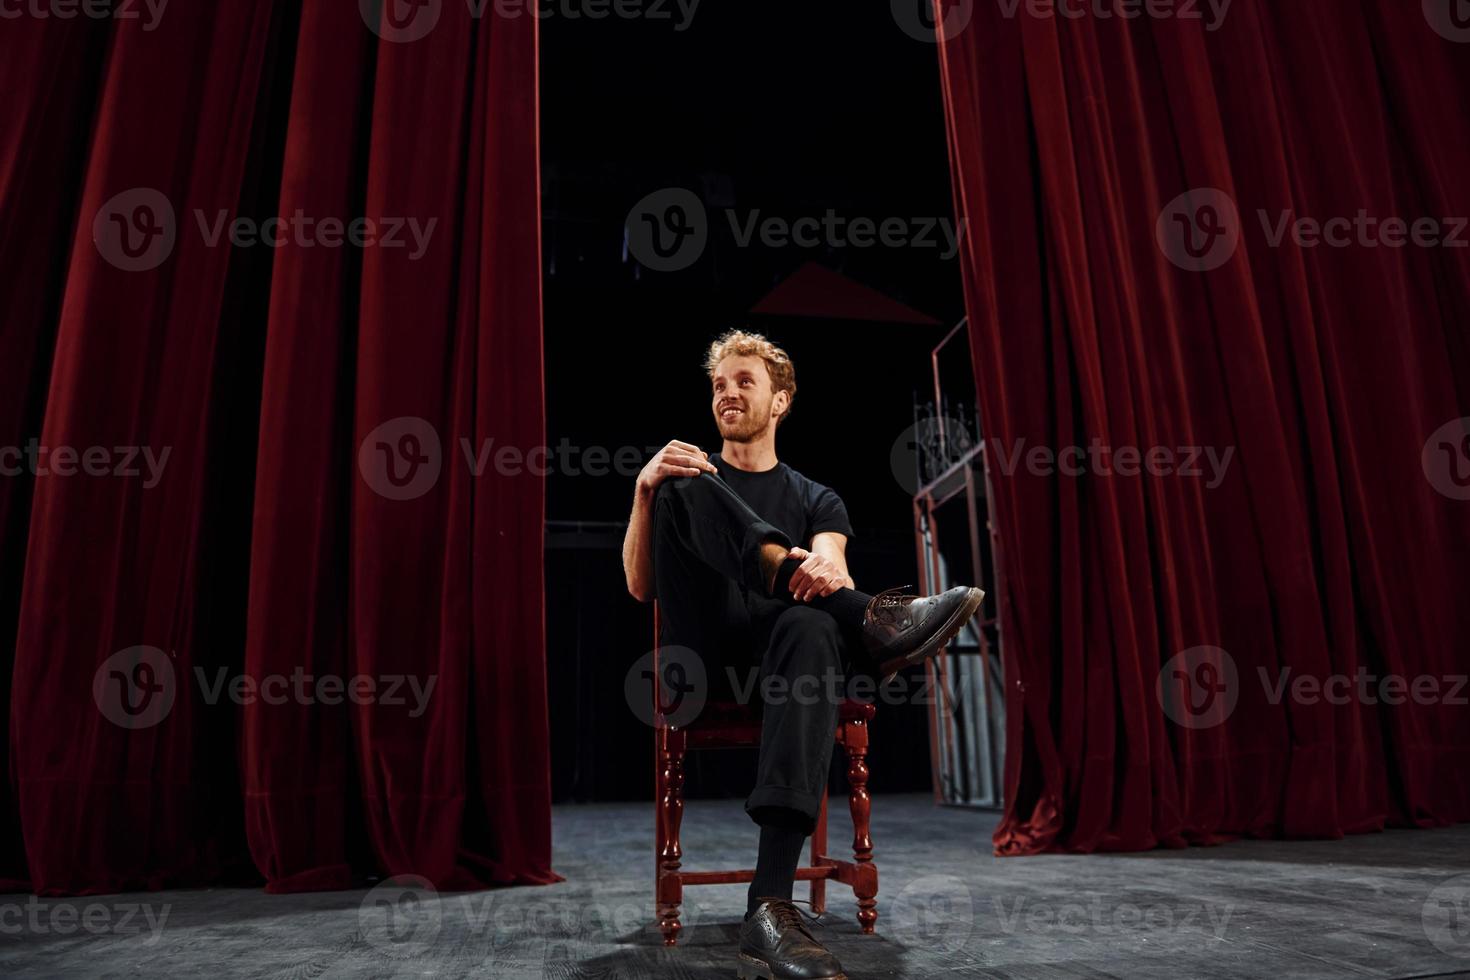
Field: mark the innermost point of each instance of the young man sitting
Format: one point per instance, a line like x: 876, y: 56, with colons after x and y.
x: 745, y: 554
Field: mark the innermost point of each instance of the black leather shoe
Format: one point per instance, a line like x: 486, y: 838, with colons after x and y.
x: 775, y: 945
x: 905, y: 629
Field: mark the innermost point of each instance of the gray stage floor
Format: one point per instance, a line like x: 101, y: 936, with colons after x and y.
x: 1384, y: 905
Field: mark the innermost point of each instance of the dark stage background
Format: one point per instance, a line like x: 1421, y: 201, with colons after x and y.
x: 789, y: 117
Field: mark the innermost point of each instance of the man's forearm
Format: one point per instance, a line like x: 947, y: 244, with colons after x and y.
x: 836, y: 552
x: 638, y: 547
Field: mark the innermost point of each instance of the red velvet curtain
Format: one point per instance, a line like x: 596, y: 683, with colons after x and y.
x: 1330, y: 545
x: 261, y: 656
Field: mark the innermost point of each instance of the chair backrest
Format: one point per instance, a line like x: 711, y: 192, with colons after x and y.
x: 658, y: 700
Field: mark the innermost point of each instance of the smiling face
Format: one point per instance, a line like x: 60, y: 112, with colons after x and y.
x: 743, y: 399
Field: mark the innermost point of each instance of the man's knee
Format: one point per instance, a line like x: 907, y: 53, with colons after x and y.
x: 680, y: 487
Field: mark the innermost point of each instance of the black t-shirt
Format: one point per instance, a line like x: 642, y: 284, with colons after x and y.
x: 783, y: 497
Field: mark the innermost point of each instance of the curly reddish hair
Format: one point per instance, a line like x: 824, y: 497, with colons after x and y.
x: 739, y: 343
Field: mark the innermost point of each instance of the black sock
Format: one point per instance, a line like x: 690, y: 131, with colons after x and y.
x: 847, y: 606
x: 775, y: 865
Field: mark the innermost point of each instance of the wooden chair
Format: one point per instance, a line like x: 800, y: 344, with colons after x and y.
x: 733, y: 725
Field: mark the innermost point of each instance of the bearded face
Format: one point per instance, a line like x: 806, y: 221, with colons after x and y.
x: 743, y: 398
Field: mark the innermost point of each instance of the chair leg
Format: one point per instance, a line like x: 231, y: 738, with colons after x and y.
x: 819, y: 850
x: 855, y: 739
x: 671, y: 813
x: 660, y: 787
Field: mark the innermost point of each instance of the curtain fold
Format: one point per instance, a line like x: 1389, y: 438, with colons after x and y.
x: 262, y: 657
x: 1324, y: 550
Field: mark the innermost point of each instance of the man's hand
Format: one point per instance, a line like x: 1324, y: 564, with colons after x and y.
x: 674, y: 460
x: 817, y: 576
x: 677, y: 459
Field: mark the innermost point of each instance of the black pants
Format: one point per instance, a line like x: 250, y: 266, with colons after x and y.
x: 712, y: 600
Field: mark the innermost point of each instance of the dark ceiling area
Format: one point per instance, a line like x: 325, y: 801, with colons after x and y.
x: 762, y: 117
